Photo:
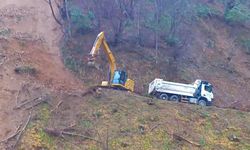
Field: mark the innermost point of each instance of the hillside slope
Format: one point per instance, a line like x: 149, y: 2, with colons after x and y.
x: 60, y: 113
x: 28, y: 40
x: 111, y: 119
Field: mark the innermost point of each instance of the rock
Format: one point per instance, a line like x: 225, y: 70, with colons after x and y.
x: 124, y: 144
x: 141, y: 128
x: 233, y: 138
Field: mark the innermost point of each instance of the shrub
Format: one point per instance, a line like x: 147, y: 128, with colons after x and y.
x: 91, y: 15
x: 211, y: 43
x: 163, y: 26
x: 71, y: 63
x: 238, y: 14
x: 26, y: 70
x: 80, y: 22
x: 172, y: 41
x: 246, y: 44
x: 5, y: 32
x: 203, y: 10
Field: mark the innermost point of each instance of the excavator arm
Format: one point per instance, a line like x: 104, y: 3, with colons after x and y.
x: 100, y: 40
x: 118, y: 78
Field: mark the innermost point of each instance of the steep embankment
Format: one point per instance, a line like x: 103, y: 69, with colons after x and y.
x: 217, y: 57
x: 29, y: 39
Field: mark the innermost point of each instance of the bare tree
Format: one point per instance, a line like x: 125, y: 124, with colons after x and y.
x: 158, y: 13
x: 53, y: 12
x: 138, y: 14
x: 63, y: 10
x: 68, y: 23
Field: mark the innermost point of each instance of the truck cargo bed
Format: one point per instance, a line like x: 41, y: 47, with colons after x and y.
x: 171, y: 87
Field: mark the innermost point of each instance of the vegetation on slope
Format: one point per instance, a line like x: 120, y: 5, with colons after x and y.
x: 121, y: 120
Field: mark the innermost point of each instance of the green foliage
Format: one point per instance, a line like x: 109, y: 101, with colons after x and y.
x: 205, y: 114
x: 203, y: 10
x: 149, y: 21
x: 166, y: 143
x: 211, y: 43
x: 97, y: 114
x: 81, y: 22
x: 91, y: 15
x: 86, y: 123
x: 172, y: 41
x: 71, y: 63
x: 5, y: 32
x: 163, y: 25
x: 44, y: 114
x: 202, y: 141
x: 238, y: 14
x: 48, y: 140
x: 246, y: 44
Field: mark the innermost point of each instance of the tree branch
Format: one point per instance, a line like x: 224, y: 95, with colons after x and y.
x: 21, y: 131
x: 53, y: 13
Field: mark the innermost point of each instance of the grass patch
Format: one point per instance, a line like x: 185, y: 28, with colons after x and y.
x: 205, y: 114
x: 98, y: 114
x: 86, y: 123
x: 44, y: 114
x: 202, y: 141
x: 141, y: 120
x: 47, y: 140
x: 35, y: 137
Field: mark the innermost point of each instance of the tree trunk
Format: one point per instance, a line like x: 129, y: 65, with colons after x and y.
x: 138, y: 26
x: 53, y: 13
x: 156, y: 31
x: 68, y: 24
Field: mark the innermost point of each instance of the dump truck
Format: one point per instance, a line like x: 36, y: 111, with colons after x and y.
x: 200, y: 92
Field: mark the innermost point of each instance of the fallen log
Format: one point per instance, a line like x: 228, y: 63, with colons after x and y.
x: 60, y: 133
x: 27, y: 102
x: 17, y: 131
x: 57, y: 106
x: 23, y: 129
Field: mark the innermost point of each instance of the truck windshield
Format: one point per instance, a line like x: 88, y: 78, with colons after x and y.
x: 208, y: 88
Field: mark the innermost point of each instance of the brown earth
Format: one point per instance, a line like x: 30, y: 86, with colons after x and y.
x: 29, y: 38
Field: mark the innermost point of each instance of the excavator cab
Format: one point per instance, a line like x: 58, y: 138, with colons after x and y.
x: 120, y: 77
x: 121, y: 81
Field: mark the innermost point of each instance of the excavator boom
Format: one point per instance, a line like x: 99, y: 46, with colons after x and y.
x: 100, y: 39
x: 118, y: 78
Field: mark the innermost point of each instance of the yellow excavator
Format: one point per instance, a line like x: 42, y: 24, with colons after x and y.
x: 118, y: 79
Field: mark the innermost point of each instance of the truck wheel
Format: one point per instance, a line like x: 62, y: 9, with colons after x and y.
x: 164, y: 96
x: 202, y: 102
x: 174, y: 98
